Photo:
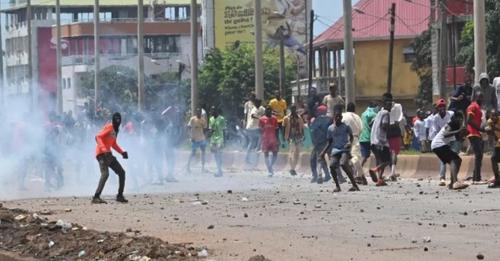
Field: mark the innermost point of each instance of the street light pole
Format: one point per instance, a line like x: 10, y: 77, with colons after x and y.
x: 30, y: 56
x: 348, y: 53
x: 194, y: 56
x: 59, y: 101
x: 479, y: 39
x: 97, y: 60
x: 259, y: 76
x: 391, y: 48
x: 140, y: 55
x: 282, y: 64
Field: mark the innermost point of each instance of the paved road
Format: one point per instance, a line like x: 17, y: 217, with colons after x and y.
x: 286, y: 218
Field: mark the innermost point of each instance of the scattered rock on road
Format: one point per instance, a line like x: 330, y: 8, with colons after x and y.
x: 258, y: 258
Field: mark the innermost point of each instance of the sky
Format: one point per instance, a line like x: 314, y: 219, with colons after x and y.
x: 328, y: 12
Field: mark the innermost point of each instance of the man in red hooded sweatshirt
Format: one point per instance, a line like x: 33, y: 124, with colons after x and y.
x: 106, y: 139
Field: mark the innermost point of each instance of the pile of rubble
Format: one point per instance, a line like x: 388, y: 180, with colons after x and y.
x: 32, y: 235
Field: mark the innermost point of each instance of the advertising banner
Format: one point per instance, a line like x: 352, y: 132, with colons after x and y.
x: 281, y: 19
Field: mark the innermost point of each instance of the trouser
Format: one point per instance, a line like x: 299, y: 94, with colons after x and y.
x: 53, y: 171
x: 253, y: 144
x: 315, y: 158
x: 356, y: 158
x: 170, y: 158
x: 216, y: 149
x: 343, y: 161
x: 477, y: 146
x: 456, y: 146
x: 294, y: 153
x: 495, y: 159
x: 107, y: 160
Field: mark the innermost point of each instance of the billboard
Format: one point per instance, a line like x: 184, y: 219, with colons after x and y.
x: 281, y: 19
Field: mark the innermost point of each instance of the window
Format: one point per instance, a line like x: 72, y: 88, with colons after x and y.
x: 69, y: 83
x: 409, y: 54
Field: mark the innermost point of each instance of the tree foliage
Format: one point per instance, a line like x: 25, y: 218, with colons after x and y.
x: 466, y: 54
x: 227, y: 76
x: 422, y: 65
x: 118, y: 89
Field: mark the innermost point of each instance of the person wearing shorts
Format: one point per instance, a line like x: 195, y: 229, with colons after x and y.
x: 340, y: 139
x: 268, y: 125
x: 379, y: 141
x: 441, y: 147
x: 197, y: 124
x: 367, y: 118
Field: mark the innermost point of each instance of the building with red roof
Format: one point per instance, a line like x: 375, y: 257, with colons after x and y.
x: 370, y: 26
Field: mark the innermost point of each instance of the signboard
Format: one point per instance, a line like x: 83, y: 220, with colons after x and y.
x: 281, y: 19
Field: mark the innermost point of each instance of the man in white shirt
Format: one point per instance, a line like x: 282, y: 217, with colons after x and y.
x: 351, y: 119
x: 253, y: 132
x: 395, y: 135
x: 420, y: 131
x: 331, y: 100
x: 439, y: 121
x: 496, y: 85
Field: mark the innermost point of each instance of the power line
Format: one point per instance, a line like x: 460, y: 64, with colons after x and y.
x: 406, y: 25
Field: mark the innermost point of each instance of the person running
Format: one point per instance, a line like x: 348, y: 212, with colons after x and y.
x: 332, y: 99
x: 197, y: 124
x: 294, y: 135
x: 474, y: 119
x: 106, y: 139
x: 216, y: 126
x: 268, y: 125
x: 172, y: 138
x: 354, y: 122
x: 319, y: 129
x: 253, y: 132
x: 395, y: 135
x: 439, y: 120
x: 367, y: 118
x: 441, y: 147
x: 379, y: 141
x: 494, y: 128
x: 339, y: 145
x: 279, y: 106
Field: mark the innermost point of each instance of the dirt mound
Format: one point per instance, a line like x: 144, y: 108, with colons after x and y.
x: 31, y: 235
x: 258, y: 258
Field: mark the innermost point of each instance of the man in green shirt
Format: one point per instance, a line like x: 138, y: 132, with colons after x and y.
x: 216, y: 125
x: 364, y: 138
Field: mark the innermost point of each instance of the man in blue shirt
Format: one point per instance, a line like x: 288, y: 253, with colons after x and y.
x: 339, y: 145
x: 319, y: 129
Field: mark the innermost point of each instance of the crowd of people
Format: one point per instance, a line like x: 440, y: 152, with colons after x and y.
x: 342, y: 141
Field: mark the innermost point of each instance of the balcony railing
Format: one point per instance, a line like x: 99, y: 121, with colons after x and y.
x: 89, y: 59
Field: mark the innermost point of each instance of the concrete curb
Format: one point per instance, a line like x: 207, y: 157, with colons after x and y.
x: 409, y: 166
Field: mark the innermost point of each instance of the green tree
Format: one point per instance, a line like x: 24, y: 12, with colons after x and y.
x: 422, y: 65
x: 118, y: 90
x: 227, y: 76
x: 466, y: 54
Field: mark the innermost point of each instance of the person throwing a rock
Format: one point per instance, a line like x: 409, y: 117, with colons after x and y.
x: 340, y: 138
x: 106, y: 139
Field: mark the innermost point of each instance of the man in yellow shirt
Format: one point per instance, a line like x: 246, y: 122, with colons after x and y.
x: 197, y: 124
x: 279, y: 106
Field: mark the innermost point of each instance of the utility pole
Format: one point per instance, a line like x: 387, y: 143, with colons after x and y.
x: 282, y: 64
x: 259, y: 76
x: 97, y: 55
x: 59, y: 97
x: 30, y: 56
x: 443, y: 52
x: 348, y: 53
x: 311, y: 53
x: 2, y: 86
x: 391, y: 48
x: 479, y: 39
x: 140, y: 55
x: 194, y: 56
x: 453, y: 50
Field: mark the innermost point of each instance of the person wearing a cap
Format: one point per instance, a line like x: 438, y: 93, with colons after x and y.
x: 439, y: 120
x: 319, y: 128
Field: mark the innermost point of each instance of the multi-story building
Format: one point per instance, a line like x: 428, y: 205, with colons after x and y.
x: 167, y: 44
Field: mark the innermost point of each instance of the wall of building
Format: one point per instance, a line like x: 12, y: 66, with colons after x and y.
x: 371, y: 65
